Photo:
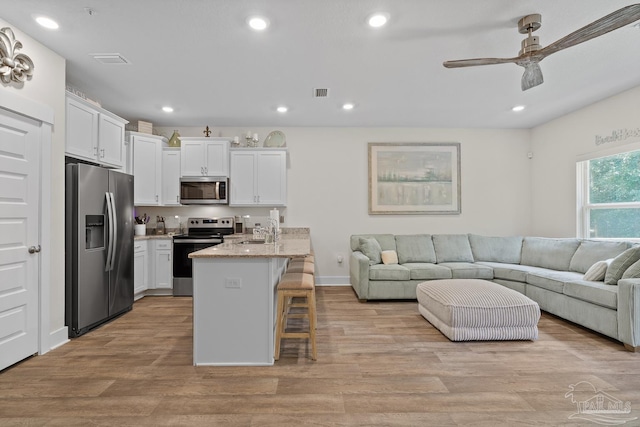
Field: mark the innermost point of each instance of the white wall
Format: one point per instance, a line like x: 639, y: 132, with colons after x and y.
x: 328, y: 186
x: 47, y: 87
x: 556, y: 146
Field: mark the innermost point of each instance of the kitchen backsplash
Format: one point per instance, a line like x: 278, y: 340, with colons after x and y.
x: 176, y: 216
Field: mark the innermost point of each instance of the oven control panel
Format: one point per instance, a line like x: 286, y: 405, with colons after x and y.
x: 223, y: 222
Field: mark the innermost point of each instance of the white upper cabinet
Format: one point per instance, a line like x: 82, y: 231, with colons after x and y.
x: 93, y: 133
x: 171, y: 177
x: 258, y: 177
x: 147, y: 168
x: 204, y: 156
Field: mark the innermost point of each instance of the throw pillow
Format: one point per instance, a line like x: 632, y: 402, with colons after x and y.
x: 597, y: 271
x: 620, y: 264
x: 389, y: 257
x: 633, y: 272
x: 371, y: 249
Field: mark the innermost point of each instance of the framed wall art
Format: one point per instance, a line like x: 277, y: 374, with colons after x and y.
x: 414, y: 178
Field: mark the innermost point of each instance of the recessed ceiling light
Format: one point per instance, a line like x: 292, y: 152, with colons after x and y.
x: 378, y: 20
x: 518, y: 108
x: 258, y: 23
x: 282, y: 109
x: 167, y: 109
x: 348, y: 106
x: 47, y: 22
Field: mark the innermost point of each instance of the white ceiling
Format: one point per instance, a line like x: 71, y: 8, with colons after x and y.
x: 200, y: 57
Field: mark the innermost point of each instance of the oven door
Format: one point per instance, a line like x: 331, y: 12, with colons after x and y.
x: 182, y: 266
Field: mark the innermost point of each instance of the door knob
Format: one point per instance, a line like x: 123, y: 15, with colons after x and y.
x: 34, y: 249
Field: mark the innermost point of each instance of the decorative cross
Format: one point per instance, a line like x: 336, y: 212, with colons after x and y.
x: 207, y: 132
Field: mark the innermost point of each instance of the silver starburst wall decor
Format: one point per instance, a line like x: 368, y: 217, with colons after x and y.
x: 16, y: 67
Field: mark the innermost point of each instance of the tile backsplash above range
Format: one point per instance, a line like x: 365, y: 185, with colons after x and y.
x: 175, y: 218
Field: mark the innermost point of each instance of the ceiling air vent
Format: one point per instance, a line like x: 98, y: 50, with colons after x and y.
x: 109, y: 58
x: 320, y: 93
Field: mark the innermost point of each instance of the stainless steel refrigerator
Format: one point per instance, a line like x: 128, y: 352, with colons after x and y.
x: 98, y: 245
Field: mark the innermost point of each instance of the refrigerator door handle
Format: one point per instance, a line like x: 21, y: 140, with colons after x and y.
x: 107, y: 265
x: 115, y: 231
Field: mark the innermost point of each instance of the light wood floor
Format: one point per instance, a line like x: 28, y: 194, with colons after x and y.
x: 379, y: 364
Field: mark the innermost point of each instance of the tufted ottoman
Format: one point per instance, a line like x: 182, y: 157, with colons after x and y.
x: 475, y: 310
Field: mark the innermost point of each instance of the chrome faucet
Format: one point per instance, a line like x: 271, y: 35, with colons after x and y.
x: 272, y: 231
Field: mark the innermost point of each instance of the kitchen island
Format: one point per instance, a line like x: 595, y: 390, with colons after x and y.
x: 234, y: 297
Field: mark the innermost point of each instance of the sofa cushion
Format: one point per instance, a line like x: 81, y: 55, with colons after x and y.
x: 496, y: 249
x: 467, y: 270
x: 552, y: 280
x: 590, y: 251
x: 513, y: 272
x: 633, y: 272
x: 544, y: 252
x: 388, y: 272
x: 371, y: 249
x: 387, y: 241
x: 620, y: 264
x: 452, y: 248
x: 389, y: 257
x: 596, y: 272
x: 415, y: 248
x: 427, y: 271
x: 594, y: 292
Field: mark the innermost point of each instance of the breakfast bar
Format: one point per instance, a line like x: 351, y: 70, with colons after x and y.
x: 234, y: 297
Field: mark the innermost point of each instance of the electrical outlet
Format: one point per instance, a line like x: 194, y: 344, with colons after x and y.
x: 340, y: 258
x: 232, y: 282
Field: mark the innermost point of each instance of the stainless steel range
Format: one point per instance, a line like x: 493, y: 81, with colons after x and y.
x: 201, y: 233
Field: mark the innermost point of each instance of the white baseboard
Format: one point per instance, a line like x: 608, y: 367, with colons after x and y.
x: 57, y: 338
x: 332, y: 281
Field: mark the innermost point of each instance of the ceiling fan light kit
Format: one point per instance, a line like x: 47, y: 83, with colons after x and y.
x: 531, y: 52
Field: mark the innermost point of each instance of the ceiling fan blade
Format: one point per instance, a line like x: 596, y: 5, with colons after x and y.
x: 613, y: 21
x: 479, y: 61
x: 532, y: 76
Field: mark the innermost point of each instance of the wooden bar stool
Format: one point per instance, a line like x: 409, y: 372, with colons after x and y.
x: 296, y: 285
x: 301, y: 267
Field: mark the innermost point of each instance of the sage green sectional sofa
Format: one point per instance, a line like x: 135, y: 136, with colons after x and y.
x: 593, y: 283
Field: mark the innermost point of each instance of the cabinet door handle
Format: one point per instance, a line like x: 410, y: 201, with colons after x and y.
x: 206, y: 170
x: 102, y: 153
x: 177, y: 199
x: 168, y: 257
x: 95, y: 151
x: 156, y: 197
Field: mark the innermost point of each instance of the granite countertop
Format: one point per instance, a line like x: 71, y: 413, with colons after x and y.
x: 154, y: 237
x: 290, y: 245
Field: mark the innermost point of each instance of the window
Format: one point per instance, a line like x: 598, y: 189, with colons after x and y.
x: 609, y: 196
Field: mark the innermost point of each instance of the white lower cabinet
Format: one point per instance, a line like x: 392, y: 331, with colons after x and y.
x: 163, y: 264
x: 152, y: 267
x: 140, y: 268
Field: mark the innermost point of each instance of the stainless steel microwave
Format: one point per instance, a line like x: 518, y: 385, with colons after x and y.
x: 204, y: 190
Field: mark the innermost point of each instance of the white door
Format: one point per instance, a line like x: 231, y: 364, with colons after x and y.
x: 19, y: 231
x: 171, y: 177
x: 192, y: 162
x: 111, y: 141
x: 271, y: 179
x: 217, y: 155
x: 147, y: 160
x: 242, y: 181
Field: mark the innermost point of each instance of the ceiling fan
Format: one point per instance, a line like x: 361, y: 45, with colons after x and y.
x: 532, y: 53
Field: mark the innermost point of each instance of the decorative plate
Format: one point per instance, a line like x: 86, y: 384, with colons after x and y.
x: 275, y: 139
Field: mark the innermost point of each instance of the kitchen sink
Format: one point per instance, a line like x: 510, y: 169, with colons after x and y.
x: 251, y: 242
